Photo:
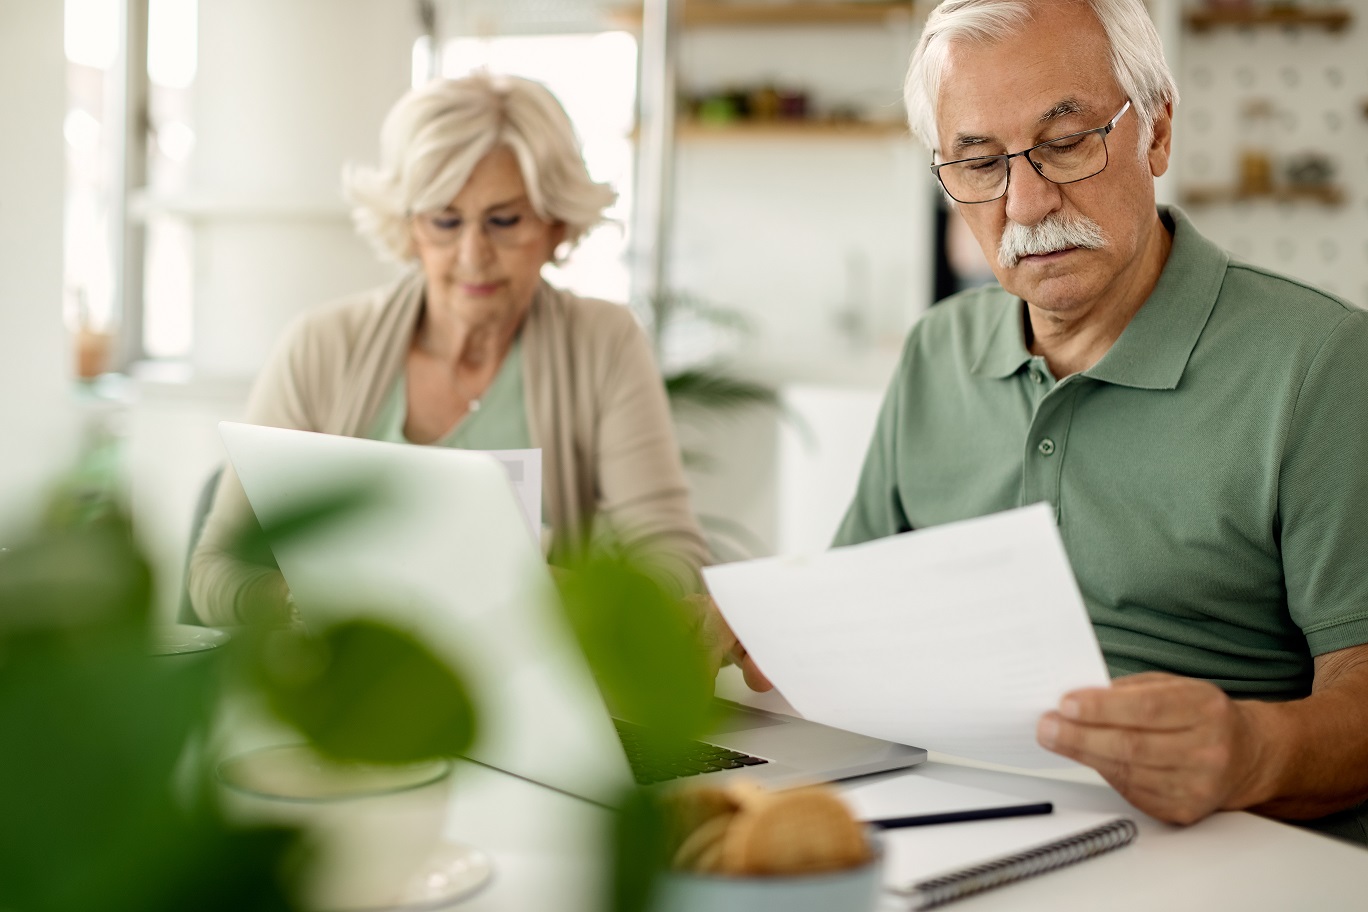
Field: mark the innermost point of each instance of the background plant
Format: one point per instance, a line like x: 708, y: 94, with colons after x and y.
x: 692, y: 339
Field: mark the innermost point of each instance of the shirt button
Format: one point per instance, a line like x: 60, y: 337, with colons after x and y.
x: 1037, y: 377
x: 1046, y: 447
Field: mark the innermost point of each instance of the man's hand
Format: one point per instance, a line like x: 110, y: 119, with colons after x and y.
x: 1176, y: 748
x: 722, y: 645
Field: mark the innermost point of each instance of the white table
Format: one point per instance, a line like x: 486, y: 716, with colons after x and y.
x: 548, y: 850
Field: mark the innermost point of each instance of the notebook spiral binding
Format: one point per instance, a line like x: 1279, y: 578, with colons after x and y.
x: 928, y: 894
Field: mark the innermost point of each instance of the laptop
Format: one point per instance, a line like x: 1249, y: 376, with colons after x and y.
x: 442, y: 550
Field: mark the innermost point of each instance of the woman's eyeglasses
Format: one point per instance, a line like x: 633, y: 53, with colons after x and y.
x: 509, y: 228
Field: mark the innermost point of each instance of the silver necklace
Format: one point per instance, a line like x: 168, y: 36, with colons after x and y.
x: 425, y: 345
x: 472, y: 402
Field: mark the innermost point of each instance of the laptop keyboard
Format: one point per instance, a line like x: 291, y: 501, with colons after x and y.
x: 695, y: 758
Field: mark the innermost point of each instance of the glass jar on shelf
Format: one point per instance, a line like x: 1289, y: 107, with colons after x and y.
x: 1256, y: 148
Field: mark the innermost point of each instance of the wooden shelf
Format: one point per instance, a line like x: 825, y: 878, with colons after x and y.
x: 1332, y: 20
x: 704, y: 13
x: 687, y: 130
x: 1329, y: 195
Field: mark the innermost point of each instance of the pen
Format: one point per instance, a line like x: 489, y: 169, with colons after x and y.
x: 1016, y: 810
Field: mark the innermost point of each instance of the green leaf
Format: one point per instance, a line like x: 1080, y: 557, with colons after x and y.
x: 253, y: 542
x: 697, y: 460
x: 368, y: 693
x: 214, y: 868
x: 640, y: 851
x: 711, y: 389
x: 729, y: 540
x: 641, y: 643
x: 91, y: 730
x: 78, y: 577
x: 664, y: 308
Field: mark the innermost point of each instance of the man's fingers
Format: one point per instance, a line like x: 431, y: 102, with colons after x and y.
x: 1159, y: 703
x: 1175, y: 796
x: 1099, y: 746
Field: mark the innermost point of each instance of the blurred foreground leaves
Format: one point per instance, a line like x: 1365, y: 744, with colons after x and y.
x: 92, y: 728
x: 366, y: 692
x: 640, y: 851
x: 642, y: 642
x: 106, y: 796
x: 106, y: 793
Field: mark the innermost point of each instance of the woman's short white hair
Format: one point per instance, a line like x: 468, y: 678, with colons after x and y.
x: 433, y: 138
x: 1137, y: 55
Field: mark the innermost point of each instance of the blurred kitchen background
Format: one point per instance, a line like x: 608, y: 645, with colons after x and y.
x: 170, y: 199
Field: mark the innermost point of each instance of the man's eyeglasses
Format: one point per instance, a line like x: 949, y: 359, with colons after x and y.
x: 1063, y: 160
x: 511, y: 228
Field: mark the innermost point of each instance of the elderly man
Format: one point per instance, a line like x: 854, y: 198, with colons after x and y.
x: 1199, y: 425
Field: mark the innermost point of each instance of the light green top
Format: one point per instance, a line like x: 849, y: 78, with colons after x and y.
x: 500, y: 423
x: 1209, y: 474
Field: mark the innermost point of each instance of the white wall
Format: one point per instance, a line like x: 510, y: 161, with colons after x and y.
x: 37, y: 418
x: 794, y: 230
x: 811, y: 237
x: 286, y: 92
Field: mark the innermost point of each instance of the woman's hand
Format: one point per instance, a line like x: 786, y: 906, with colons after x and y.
x: 722, y: 645
x: 268, y: 602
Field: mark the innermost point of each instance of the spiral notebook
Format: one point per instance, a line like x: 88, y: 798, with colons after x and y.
x: 929, y: 866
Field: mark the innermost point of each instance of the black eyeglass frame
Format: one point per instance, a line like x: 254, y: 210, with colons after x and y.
x: 1102, y: 131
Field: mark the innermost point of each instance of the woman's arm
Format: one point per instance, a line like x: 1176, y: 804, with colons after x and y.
x: 642, y: 493
x: 224, y: 589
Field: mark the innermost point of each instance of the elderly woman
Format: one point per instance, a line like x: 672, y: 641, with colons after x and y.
x: 481, y: 183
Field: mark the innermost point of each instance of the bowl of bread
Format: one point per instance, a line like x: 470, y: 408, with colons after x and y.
x: 744, y: 847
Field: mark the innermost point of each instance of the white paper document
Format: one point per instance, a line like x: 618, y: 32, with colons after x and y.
x: 524, y: 468
x: 954, y: 638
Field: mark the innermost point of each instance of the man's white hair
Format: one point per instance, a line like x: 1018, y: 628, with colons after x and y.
x: 1137, y: 55
x: 433, y: 138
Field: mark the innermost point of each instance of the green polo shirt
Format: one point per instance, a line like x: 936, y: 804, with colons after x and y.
x: 1209, y: 474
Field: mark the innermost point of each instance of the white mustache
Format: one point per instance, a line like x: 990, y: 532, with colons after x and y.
x: 1055, y: 232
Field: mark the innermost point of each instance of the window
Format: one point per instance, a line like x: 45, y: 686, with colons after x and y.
x: 159, y: 315
x: 91, y: 130
x: 168, y: 289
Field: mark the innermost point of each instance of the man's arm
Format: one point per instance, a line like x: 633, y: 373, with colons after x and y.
x: 1179, y: 749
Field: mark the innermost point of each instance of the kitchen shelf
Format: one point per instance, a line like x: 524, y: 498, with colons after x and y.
x: 1329, y: 195
x: 698, y: 13
x: 1332, y: 20
x: 687, y: 130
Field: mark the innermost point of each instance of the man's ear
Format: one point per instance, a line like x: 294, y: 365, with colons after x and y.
x: 1161, y: 145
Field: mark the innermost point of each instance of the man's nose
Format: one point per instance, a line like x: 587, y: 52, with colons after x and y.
x: 1030, y: 197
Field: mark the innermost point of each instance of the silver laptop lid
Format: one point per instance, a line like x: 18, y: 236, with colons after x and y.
x: 442, y: 551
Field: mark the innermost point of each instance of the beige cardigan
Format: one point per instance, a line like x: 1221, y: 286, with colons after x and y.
x: 595, y: 406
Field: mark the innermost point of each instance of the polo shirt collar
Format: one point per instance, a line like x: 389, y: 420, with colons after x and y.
x: 1005, y: 350
x: 1153, y: 350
